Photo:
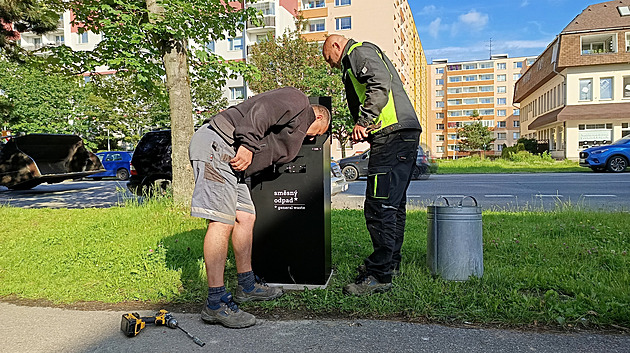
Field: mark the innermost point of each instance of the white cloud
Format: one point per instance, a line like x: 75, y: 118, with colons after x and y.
x: 474, y: 20
x: 427, y: 10
x: 525, y: 44
x: 434, y: 27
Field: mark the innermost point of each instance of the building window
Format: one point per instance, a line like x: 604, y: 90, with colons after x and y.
x: 235, y: 43
x: 518, y: 65
x: 486, y: 65
x: 83, y: 38
x: 470, y: 101
x: 317, y: 25
x: 501, y: 135
x: 439, y: 70
x: 439, y: 126
x: 439, y: 137
x: 501, y: 78
x: 439, y: 81
x: 210, y: 46
x: 516, y: 135
x: 313, y: 4
x: 628, y: 42
x: 501, y: 112
x: 486, y: 77
x: 439, y: 104
x: 454, y: 102
x: 516, y: 76
x: 499, y: 148
x: 455, y: 79
x: 237, y: 93
x: 470, y: 78
x: 439, y: 149
x: 625, y: 129
x: 59, y: 40
x: 439, y: 115
x: 486, y: 88
x: 452, y: 136
x: 439, y: 93
x: 342, y: 2
x: 501, y: 89
x: 606, y: 88
x: 486, y: 100
x: 464, y: 89
x: 343, y: 23
x: 626, y: 87
x: 517, y: 112
x: 501, y: 124
x: 501, y: 66
x: 501, y: 101
x: 586, y: 89
x: 469, y: 66
x: 599, y: 44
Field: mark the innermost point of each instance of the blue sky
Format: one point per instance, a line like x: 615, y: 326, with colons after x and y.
x: 461, y: 30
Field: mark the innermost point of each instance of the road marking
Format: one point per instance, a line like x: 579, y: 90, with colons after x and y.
x: 599, y: 195
x: 490, y: 196
x: 552, y: 195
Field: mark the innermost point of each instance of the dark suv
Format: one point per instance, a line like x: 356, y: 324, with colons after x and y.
x: 356, y: 166
x: 151, y: 165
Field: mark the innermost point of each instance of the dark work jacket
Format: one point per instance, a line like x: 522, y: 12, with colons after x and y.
x: 272, y: 125
x: 374, y: 91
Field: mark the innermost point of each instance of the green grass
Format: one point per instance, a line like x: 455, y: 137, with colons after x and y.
x: 568, y: 267
x: 525, y: 164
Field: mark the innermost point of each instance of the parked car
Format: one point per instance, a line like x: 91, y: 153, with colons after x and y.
x: 29, y: 160
x: 613, y: 157
x: 151, y: 165
x: 338, y: 182
x: 116, y: 163
x: 356, y: 166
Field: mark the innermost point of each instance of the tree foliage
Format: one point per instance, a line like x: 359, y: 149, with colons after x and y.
x: 475, y: 136
x: 36, y: 16
x: 290, y: 60
x: 34, y: 101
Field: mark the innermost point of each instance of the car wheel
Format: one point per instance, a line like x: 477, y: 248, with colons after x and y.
x: 350, y: 173
x: 617, y: 164
x: 420, y: 173
x: 122, y: 174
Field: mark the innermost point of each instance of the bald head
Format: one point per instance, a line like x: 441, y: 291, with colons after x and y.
x: 333, y: 49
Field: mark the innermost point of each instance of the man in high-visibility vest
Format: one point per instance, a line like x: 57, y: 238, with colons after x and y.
x: 385, y: 117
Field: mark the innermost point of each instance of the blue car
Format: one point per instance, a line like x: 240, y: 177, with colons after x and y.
x: 613, y: 157
x: 116, y: 163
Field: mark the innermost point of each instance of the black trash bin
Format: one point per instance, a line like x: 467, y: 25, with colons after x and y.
x: 291, y: 245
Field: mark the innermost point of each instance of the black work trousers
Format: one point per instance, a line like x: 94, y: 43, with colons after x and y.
x: 392, y: 159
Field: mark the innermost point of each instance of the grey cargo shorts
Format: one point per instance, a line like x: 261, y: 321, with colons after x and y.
x: 217, y: 194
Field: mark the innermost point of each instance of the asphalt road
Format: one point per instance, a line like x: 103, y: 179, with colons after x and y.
x: 541, y: 191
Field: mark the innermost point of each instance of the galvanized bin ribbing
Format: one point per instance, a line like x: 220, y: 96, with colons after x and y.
x: 455, y: 241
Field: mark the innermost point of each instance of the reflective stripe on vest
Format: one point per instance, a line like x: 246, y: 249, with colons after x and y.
x: 388, y: 113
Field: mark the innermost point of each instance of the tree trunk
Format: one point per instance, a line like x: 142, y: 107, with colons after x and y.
x: 180, y: 102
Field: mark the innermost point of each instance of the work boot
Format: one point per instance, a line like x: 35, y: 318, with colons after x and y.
x: 365, y: 285
x: 395, y: 270
x: 260, y: 292
x: 227, y: 314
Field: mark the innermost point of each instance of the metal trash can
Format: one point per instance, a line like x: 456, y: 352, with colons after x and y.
x: 455, y: 240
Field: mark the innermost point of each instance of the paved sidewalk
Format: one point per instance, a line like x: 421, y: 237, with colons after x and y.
x: 33, y: 330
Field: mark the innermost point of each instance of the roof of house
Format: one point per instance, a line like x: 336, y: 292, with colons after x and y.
x: 600, y: 16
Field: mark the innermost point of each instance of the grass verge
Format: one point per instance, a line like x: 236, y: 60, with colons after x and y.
x: 568, y: 267
x: 528, y: 164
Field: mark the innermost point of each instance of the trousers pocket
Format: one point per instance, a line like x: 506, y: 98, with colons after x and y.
x: 378, y: 185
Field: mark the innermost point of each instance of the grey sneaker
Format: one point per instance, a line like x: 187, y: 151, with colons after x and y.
x: 260, y: 292
x: 228, y: 314
x: 365, y: 285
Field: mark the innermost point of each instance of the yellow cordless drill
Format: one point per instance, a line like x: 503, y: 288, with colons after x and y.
x: 133, y: 323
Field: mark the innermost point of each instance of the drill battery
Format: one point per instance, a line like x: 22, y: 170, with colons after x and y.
x: 131, y: 324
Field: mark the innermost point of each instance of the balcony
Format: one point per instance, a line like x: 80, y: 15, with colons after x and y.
x: 267, y: 23
x: 599, y: 44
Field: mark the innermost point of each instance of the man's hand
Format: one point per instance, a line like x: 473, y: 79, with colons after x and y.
x: 359, y: 133
x: 242, y: 160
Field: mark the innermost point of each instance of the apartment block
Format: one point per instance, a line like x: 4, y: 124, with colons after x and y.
x: 460, y: 90
x: 388, y: 24
x: 577, y: 93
